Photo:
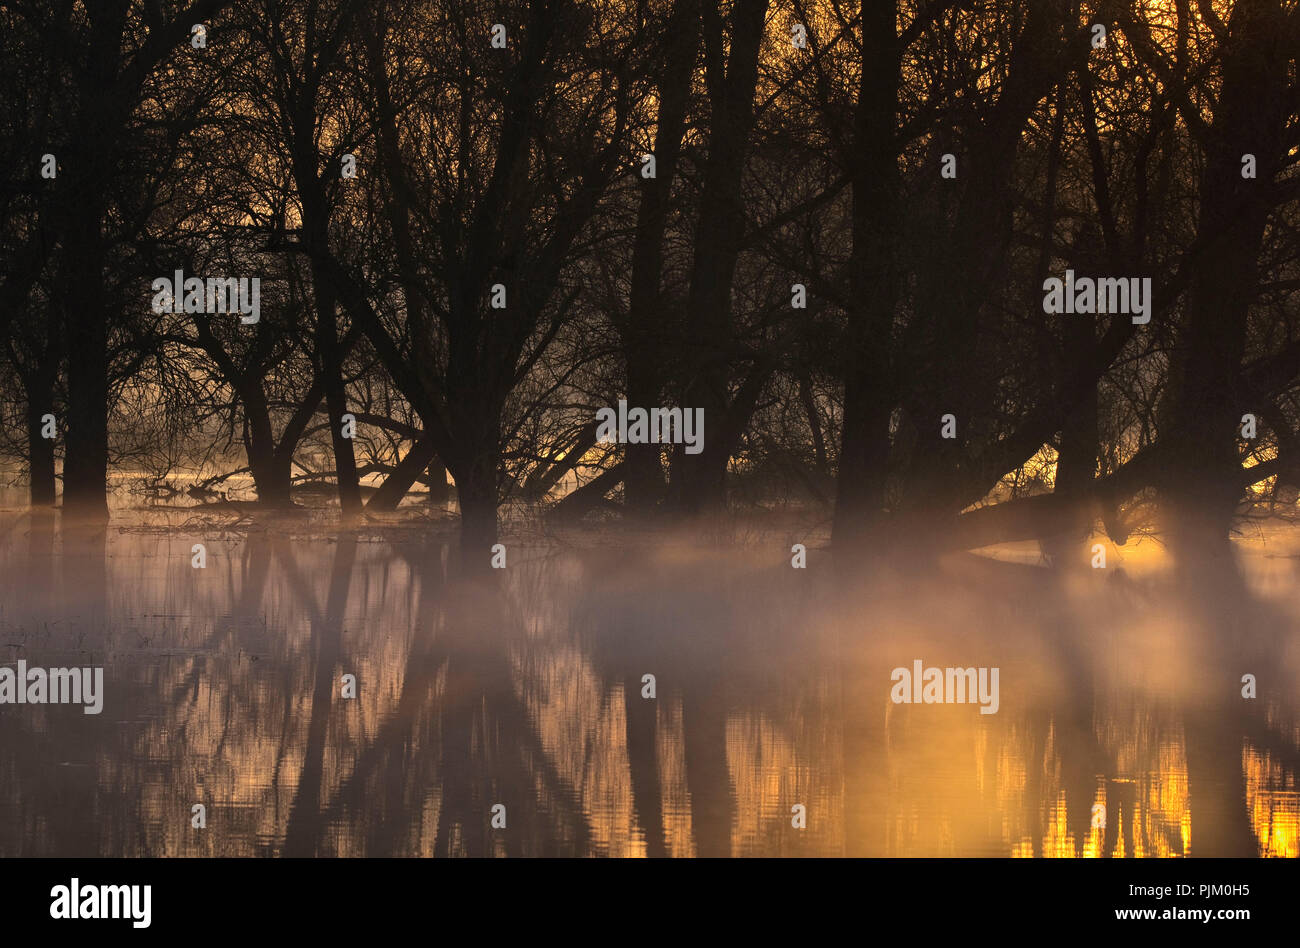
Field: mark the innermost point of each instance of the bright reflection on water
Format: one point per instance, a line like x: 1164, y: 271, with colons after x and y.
x: 223, y: 688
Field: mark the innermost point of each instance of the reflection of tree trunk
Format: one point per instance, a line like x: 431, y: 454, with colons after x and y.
x: 1037, y: 727
x: 462, y: 805
x: 40, y: 560
x: 865, y: 782
x: 490, y: 749
x: 85, y: 573
x: 643, y: 765
x: 1216, y: 783
x: 864, y: 736
x: 301, y: 835
x: 403, y: 758
x: 1219, y: 641
x: 704, y: 725
x: 474, y: 738
x: 1082, y: 760
x: 1121, y: 810
x: 257, y: 566
x: 409, y: 760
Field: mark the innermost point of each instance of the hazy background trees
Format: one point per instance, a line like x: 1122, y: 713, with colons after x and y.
x: 793, y: 143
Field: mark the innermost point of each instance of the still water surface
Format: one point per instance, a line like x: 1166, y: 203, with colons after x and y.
x: 223, y: 687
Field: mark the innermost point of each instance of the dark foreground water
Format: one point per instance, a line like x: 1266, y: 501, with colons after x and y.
x: 1119, y: 699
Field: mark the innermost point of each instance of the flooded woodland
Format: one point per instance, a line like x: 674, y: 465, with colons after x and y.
x: 671, y: 428
x: 524, y: 687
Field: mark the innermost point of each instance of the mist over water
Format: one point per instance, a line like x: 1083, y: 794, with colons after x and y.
x: 223, y: 687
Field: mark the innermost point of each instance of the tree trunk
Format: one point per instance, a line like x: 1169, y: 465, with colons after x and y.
x: 873, y: 285
x: 331, y: 362
x: 85, y: 466
x: 643, y: 350
x: 315, y: 229
x: 1206, y: 389
x: 1076, y: 466
x: 439, y: 488
x: 719, y: 232
x: 270, y: 470
x: 960, y: 271
x: 478, y: 516
x: 271, y: 475
x: 408, y: 469
x: 41, y: 450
